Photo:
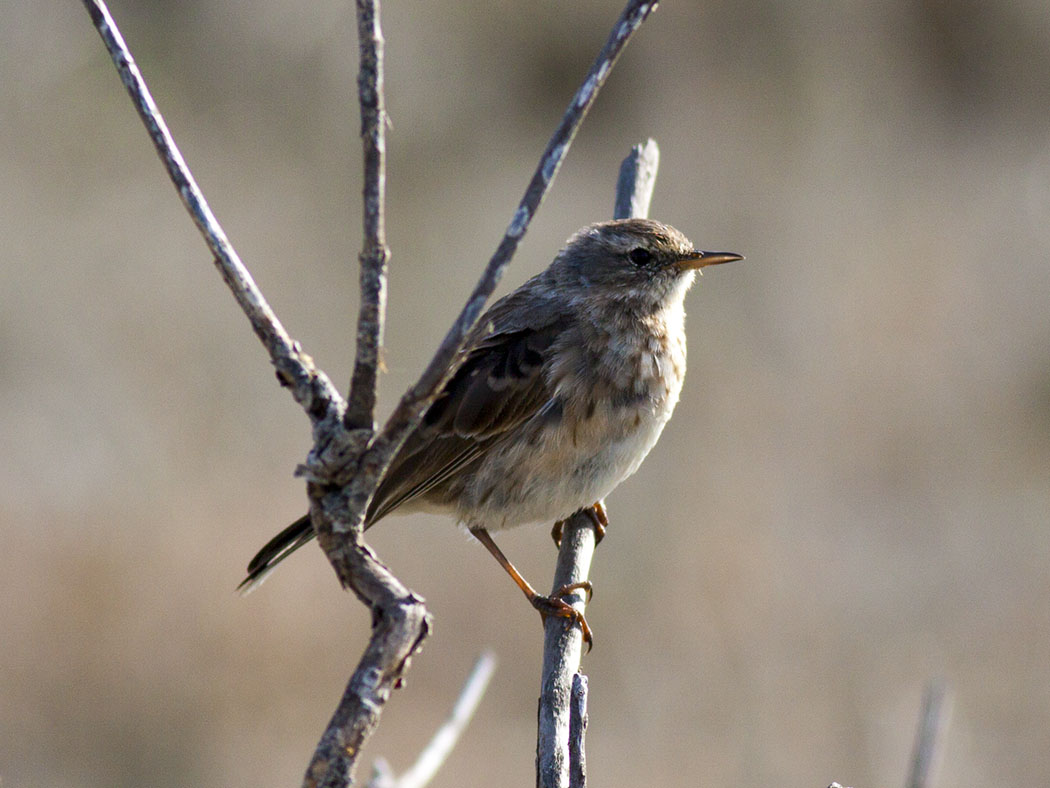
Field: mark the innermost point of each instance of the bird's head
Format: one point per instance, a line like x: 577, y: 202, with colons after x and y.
x: 632, y: 260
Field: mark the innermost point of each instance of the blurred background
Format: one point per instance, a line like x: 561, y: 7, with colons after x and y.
x: 853, y: 497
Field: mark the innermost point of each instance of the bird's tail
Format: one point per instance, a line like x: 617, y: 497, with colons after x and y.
x: 276, y: 550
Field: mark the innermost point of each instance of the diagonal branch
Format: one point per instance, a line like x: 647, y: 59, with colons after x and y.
x: 929, y: 737
x: 310, y: 387
x: 440, y: 747
x: 371, y: 315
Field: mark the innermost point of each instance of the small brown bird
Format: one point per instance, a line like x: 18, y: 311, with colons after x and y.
x: 565, y: 386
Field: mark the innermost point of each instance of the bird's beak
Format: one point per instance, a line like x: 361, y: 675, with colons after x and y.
x: 698, y: 259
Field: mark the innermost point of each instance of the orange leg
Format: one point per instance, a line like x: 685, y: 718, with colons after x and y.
x: 552, y: 605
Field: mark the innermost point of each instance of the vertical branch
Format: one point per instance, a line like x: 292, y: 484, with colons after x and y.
x: 562, y: 646
x: 634, y: 187
x: 562, y: 649
x: 361, y: 403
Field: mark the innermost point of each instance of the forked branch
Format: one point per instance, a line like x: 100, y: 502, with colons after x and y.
x: 348, y: 458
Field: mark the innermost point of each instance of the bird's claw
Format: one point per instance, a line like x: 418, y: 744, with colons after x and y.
x: 554, y: 605
x: 584, y: 585
x: 557, y: 532
x: 599, y: 518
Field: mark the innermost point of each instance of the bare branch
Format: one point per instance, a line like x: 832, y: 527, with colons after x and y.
x: 634, y: 188
x: 437, y: 751
x: 933, y: 719
x: 310, y: 387
x: 561, y: 644
x: 562, y: 649
x: 361, y: 403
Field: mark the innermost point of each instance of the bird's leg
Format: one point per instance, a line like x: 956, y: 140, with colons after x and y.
x: 552, y: 605
x: 598, y: 516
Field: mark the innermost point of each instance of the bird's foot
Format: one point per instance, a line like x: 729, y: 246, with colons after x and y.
x: 555, y: 605
x: 599, y: 518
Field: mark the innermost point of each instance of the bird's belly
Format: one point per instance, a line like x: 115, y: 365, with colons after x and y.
x: 562, y: 467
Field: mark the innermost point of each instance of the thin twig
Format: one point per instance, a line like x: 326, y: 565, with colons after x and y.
x: 361, y: 402
x: 562, y: 645
x: 439, y: 748
x: 634, y: 187
x: 400, y: 619
x: 310, y: 387
x: 933, y: 719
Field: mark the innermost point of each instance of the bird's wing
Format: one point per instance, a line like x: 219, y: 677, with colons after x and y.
x: 500, y: 385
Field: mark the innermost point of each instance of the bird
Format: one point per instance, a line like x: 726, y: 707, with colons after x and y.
x: 564, y: 387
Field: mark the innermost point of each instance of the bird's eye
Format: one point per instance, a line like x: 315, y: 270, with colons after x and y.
x: 640, y: 256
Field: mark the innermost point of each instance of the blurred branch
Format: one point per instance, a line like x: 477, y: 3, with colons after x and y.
x: 361, y: 403
x: 933, y: 719
x: 310, y: 387
x: 556, y: 764
x: 437, y: 751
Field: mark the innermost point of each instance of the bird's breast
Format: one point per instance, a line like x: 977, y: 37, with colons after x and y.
x: 611, y: 401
